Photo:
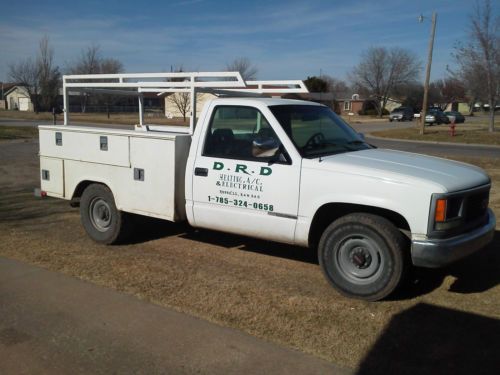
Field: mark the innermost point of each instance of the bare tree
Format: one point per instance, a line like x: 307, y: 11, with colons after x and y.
x: 91, y: 62
x: 49, y: 75
x: 39, y: 77
x: 88, y: 62
x: 111, y: 66
x: 479, y: 59
x: 25, y: 73
x: 335, y: 86
x: 381, y: 70
x: 181, y: 100
x: 244, y: 66
x: 451, y: 90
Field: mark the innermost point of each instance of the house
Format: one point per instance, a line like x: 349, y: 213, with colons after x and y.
x: 5, y: 86
x: 18, y: 99
x: 172, y: 109
x: 354, y: 104
x: 349, y: 105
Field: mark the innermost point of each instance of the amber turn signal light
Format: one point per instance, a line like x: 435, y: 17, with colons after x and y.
x: 440, y: 215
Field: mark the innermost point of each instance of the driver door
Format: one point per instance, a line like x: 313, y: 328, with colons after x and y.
x: 244, y: 180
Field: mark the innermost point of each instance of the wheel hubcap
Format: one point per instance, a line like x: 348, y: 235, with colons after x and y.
x: 359, y: 259
x: 100, y: 214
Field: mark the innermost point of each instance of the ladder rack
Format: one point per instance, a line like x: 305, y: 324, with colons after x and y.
x: 136, y: 84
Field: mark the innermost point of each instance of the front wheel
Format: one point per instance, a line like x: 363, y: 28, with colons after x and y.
x: 363, y: 256
x: 102, y: 221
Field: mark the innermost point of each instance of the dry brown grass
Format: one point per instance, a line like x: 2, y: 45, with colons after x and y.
x: 465, y: 133
x: 270, y: 290
x: 17, y: 132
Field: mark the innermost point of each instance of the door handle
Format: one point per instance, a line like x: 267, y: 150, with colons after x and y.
x: 201, y: 172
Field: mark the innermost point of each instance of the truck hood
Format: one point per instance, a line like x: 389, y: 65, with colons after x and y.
x: 406, y: 168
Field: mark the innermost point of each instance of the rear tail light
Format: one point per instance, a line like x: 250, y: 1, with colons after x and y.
x: 40, y: 193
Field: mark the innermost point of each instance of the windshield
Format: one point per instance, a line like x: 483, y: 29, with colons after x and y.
x: 317, y: 131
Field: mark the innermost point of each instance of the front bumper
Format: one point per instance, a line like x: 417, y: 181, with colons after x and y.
x: 440, y: 252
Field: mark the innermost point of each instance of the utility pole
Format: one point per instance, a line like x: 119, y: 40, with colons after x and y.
x: 427, y: 72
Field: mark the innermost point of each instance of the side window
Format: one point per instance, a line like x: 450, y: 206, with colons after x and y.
x: 240, y: 133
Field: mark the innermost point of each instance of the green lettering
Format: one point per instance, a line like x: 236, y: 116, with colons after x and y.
x: 265, y: 171
x: 218, y: 166
x: 241, y: 168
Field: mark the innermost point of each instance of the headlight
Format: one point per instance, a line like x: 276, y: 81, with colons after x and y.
x: 448, y: 213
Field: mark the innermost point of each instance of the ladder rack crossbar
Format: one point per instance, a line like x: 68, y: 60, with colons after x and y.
x: 224, y: 83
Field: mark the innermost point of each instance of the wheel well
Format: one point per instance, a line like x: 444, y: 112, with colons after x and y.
x: 330, y: 212
x: 77, y: 194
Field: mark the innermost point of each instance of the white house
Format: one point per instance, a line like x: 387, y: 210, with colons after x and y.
x: 18, y: 99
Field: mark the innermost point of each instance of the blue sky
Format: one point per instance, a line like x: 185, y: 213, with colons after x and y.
x: 285, y: 39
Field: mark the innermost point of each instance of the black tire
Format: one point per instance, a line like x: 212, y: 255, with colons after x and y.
x: 102, y: 221
x: 363, y: 256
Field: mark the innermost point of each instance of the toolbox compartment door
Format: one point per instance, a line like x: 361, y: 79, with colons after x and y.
x: 52, y: 176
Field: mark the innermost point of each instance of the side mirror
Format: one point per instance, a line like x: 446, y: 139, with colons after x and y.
x: 362, y: 136
x: 265, y: 147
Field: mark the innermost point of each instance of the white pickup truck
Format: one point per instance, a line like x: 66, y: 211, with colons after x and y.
x: 283, y: 170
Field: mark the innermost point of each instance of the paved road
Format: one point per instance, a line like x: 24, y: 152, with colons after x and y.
x: 424, y: 148
x: 54, y: 324
x: 378, y: 126
x: 437, y: 149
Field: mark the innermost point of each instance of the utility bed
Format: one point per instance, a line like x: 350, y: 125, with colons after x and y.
x: 144, y: 169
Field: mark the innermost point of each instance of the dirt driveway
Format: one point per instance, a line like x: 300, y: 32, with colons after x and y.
x: 446, y: 321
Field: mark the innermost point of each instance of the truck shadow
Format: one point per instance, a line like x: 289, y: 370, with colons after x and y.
x: 253, y: 245
x: 149, y: 229
x: 475, y: 274
x: 427, y: 339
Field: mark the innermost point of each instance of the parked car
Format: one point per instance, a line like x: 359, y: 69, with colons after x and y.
x: 436, y: 116
x: 401, y: 114
x: 459, y: 118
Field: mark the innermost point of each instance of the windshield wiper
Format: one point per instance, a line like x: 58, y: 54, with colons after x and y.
x: 359, y: 142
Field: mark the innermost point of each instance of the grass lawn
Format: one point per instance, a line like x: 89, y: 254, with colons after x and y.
x: 17, y: 132
x: 476, y: 132
x: 445, y: 321
x: 100, y: 118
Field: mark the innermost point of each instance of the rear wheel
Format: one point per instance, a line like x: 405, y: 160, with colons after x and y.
x: 363, y: 256
x: 102, y: 221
